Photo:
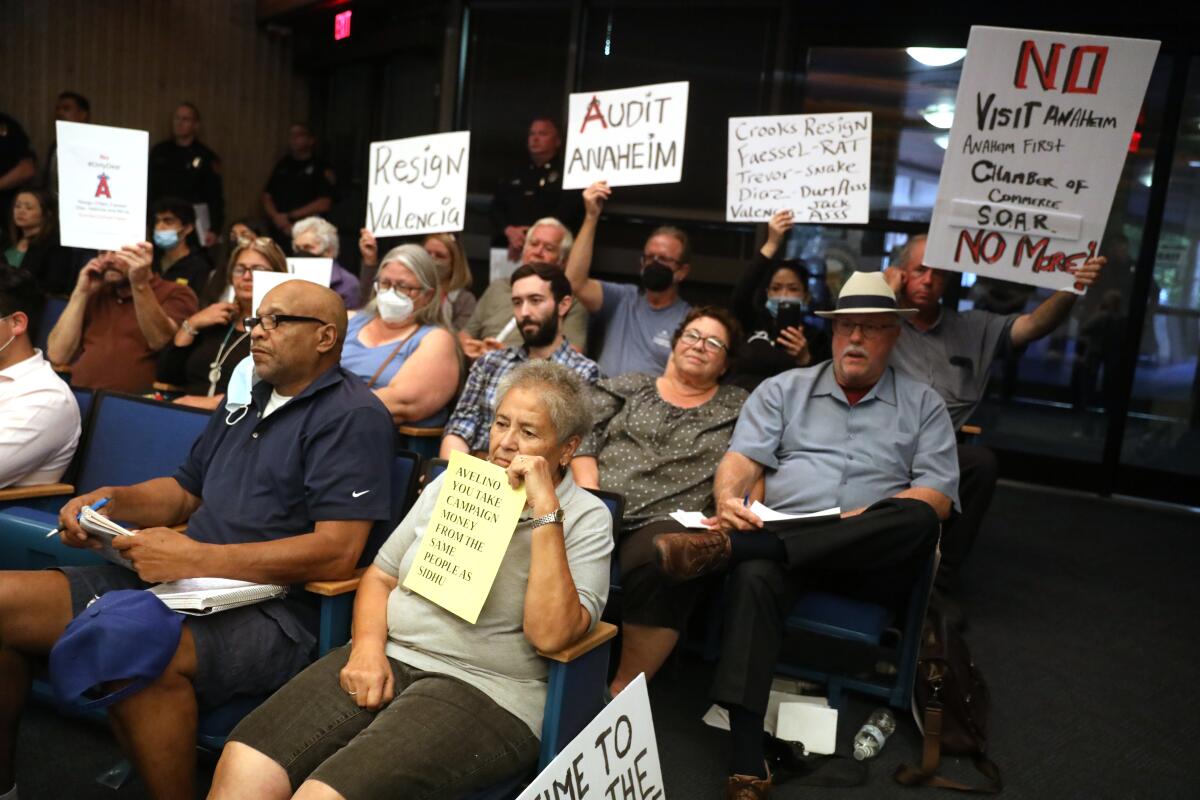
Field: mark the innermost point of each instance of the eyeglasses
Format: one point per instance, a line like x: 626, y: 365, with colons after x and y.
x: 711, y: 343
x: 870, y: 330
x: 240, y: 270
x: 385, y: 285
x: 271, y: 321
x: 648, y: 259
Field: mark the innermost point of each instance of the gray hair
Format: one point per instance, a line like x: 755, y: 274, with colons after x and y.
x: 559, y: 388
x: 425, y: 270
x: 904, y: 254
x: 568, y: 238
x: 324, y: 231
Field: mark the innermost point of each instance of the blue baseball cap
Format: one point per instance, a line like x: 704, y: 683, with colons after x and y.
x: 128, y: 634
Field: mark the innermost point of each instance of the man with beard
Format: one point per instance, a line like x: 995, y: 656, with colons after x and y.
x: 855, y: 433
x: 120, y: 315
x: 541, y: 298
x: 639, y: 323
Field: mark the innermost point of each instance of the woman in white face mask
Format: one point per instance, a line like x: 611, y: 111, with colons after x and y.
x: 400, y: 343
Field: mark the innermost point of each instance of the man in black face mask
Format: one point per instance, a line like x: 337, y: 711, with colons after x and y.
x: 639, y: 322
x: 541, y: 298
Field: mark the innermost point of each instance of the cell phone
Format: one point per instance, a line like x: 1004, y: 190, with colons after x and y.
x: 791, y: 315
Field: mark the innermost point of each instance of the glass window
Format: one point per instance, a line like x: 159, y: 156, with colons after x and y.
x: 1164, y: 415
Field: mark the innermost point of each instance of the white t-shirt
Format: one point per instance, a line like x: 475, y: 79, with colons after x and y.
x: 276, y: 401
x: 39, y: 423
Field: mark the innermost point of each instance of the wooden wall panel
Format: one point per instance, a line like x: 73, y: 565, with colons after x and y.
x: 136, y: 60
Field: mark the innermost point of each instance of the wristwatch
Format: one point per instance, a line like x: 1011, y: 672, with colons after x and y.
x: 187, y: 328
x: 549, y: 519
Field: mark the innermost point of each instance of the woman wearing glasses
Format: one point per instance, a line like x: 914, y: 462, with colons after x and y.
x: 657, y: 441
x: 400, y: 343
x: 211, y: 342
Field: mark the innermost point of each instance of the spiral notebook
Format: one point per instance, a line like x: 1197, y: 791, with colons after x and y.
x: 202, y: 596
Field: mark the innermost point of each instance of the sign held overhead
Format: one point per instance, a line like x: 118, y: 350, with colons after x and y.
x: 418, y: 185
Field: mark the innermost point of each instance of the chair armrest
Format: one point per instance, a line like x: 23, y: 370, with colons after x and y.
x: 599, y: 635
x: 159, y: 386
x: 970, y: 430
x: 409, y: 430
x: 40, y: 490
x: 334, y: 588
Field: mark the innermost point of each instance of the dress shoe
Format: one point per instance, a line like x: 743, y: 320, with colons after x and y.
x: 683, y: 556
x: 747, y: 787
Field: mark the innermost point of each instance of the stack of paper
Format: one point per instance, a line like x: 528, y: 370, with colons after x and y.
x: 100, y: 527
x: 200, y: 596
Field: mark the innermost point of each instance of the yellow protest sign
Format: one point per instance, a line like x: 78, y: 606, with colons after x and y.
x: 467, y: 537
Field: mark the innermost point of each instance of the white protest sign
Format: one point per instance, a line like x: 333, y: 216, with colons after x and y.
x: 1042, y: 125
x: 264, y: 282
x: 317, y: 270
x: 816, y: 165
x: 418, y: 185
x: 628, y: 137
x: 615, y: 756
x: 101, y: 185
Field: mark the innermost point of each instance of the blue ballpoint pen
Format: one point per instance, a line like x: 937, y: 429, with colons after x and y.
x: 103, y: 501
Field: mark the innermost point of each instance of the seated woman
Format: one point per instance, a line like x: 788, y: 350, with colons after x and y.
x: 218, y: 287
x: 400, y: 343
x: 657, y: 441
x: 33, y: 232
x: 422, y: 703
x: 313, y: 237
x: 454, y: 277
x: 772, y: 302
x: 211, y: 342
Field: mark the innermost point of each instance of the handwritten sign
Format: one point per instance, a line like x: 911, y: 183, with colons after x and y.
x: 1042, y: 124
x: 614, y: 758
x: 101, y: 185
x: 818, y: 166
x: 467, y: 537
x: 628, y: 137
x: 418, y: 185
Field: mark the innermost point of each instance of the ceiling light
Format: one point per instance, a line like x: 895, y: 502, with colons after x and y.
x: 940, y: 115
x: 936, y: 56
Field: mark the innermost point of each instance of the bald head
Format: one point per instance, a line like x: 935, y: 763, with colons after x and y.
x: 307, y: 299
x: 296, y: 351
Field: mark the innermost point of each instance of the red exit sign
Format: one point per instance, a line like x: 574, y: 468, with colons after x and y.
x: 341, y: 26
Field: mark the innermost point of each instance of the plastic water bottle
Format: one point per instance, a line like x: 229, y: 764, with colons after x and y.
x: 874, y: 732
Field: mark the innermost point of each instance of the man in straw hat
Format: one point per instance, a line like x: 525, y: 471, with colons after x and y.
x: 852, y: 433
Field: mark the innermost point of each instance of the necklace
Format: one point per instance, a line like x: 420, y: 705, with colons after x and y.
x: 214, y: 368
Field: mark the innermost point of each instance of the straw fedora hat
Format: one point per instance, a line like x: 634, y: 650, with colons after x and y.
x: 866, y: 293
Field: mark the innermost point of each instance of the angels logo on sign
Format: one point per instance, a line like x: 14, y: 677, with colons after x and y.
x: 102, y: 189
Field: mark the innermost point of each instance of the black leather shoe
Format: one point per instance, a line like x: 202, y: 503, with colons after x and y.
x: 747, y: 787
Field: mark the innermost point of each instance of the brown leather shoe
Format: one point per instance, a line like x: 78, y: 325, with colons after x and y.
x: 747, y: 787
x: 683, y: 556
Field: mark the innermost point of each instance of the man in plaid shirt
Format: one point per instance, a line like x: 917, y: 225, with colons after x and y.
x: 541, y: 298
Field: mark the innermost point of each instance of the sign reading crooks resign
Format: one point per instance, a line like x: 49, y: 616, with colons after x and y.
x: 628, y: 137
x: 418, y: 185
x: 816, y: 165
x: 1041, y: 128
x: 614, y: 758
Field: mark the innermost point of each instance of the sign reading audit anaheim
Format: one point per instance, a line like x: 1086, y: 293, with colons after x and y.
x: 1041, y: 128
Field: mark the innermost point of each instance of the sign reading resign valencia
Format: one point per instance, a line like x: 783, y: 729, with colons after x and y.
x: 818, y: 166
x: 628, y: 137
x: 418, y: 185
x: 1042, y: 125
x: 468, y: 535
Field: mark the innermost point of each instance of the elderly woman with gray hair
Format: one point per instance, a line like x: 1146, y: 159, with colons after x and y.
x: 313, y: 237
x: 400, y: 343
x: 422, y: 703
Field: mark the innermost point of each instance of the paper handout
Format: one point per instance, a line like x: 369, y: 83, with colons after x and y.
x: 468, y: 534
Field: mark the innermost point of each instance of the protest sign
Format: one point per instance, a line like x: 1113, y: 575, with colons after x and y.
x: 628, y: 137
x: 1042, y: 124
x: 418, y: 185
x: 818, y: 166
x: 263, y: 282
x: 101, y: 185
x: 317, y: 270
x: 614, y: 758
x: 467, y: 537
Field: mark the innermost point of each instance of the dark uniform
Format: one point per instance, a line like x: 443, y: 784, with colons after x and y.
x: 294, y: 184
x: 191, y: 173
x: 531, y: 194
x: 14, y: 148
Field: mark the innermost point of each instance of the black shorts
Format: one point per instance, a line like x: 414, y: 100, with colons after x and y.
x: 248, y: 650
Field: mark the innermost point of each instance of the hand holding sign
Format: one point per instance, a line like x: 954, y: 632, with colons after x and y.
x: 533, y: 472
x: 418, y: 185
x: 594, y: 198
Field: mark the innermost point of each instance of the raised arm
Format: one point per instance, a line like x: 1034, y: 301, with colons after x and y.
x: 579, y: 264
x: 158, y: 328
x: 68, y: 330
x: 1055, y: 308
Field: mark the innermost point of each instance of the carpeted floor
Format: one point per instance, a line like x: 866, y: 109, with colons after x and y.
x: 1078, y: 610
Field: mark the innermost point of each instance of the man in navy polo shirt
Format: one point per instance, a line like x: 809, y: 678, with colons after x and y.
x: 283, y: 491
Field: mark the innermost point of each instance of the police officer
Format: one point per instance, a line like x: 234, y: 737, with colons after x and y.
x: 184, y: 167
